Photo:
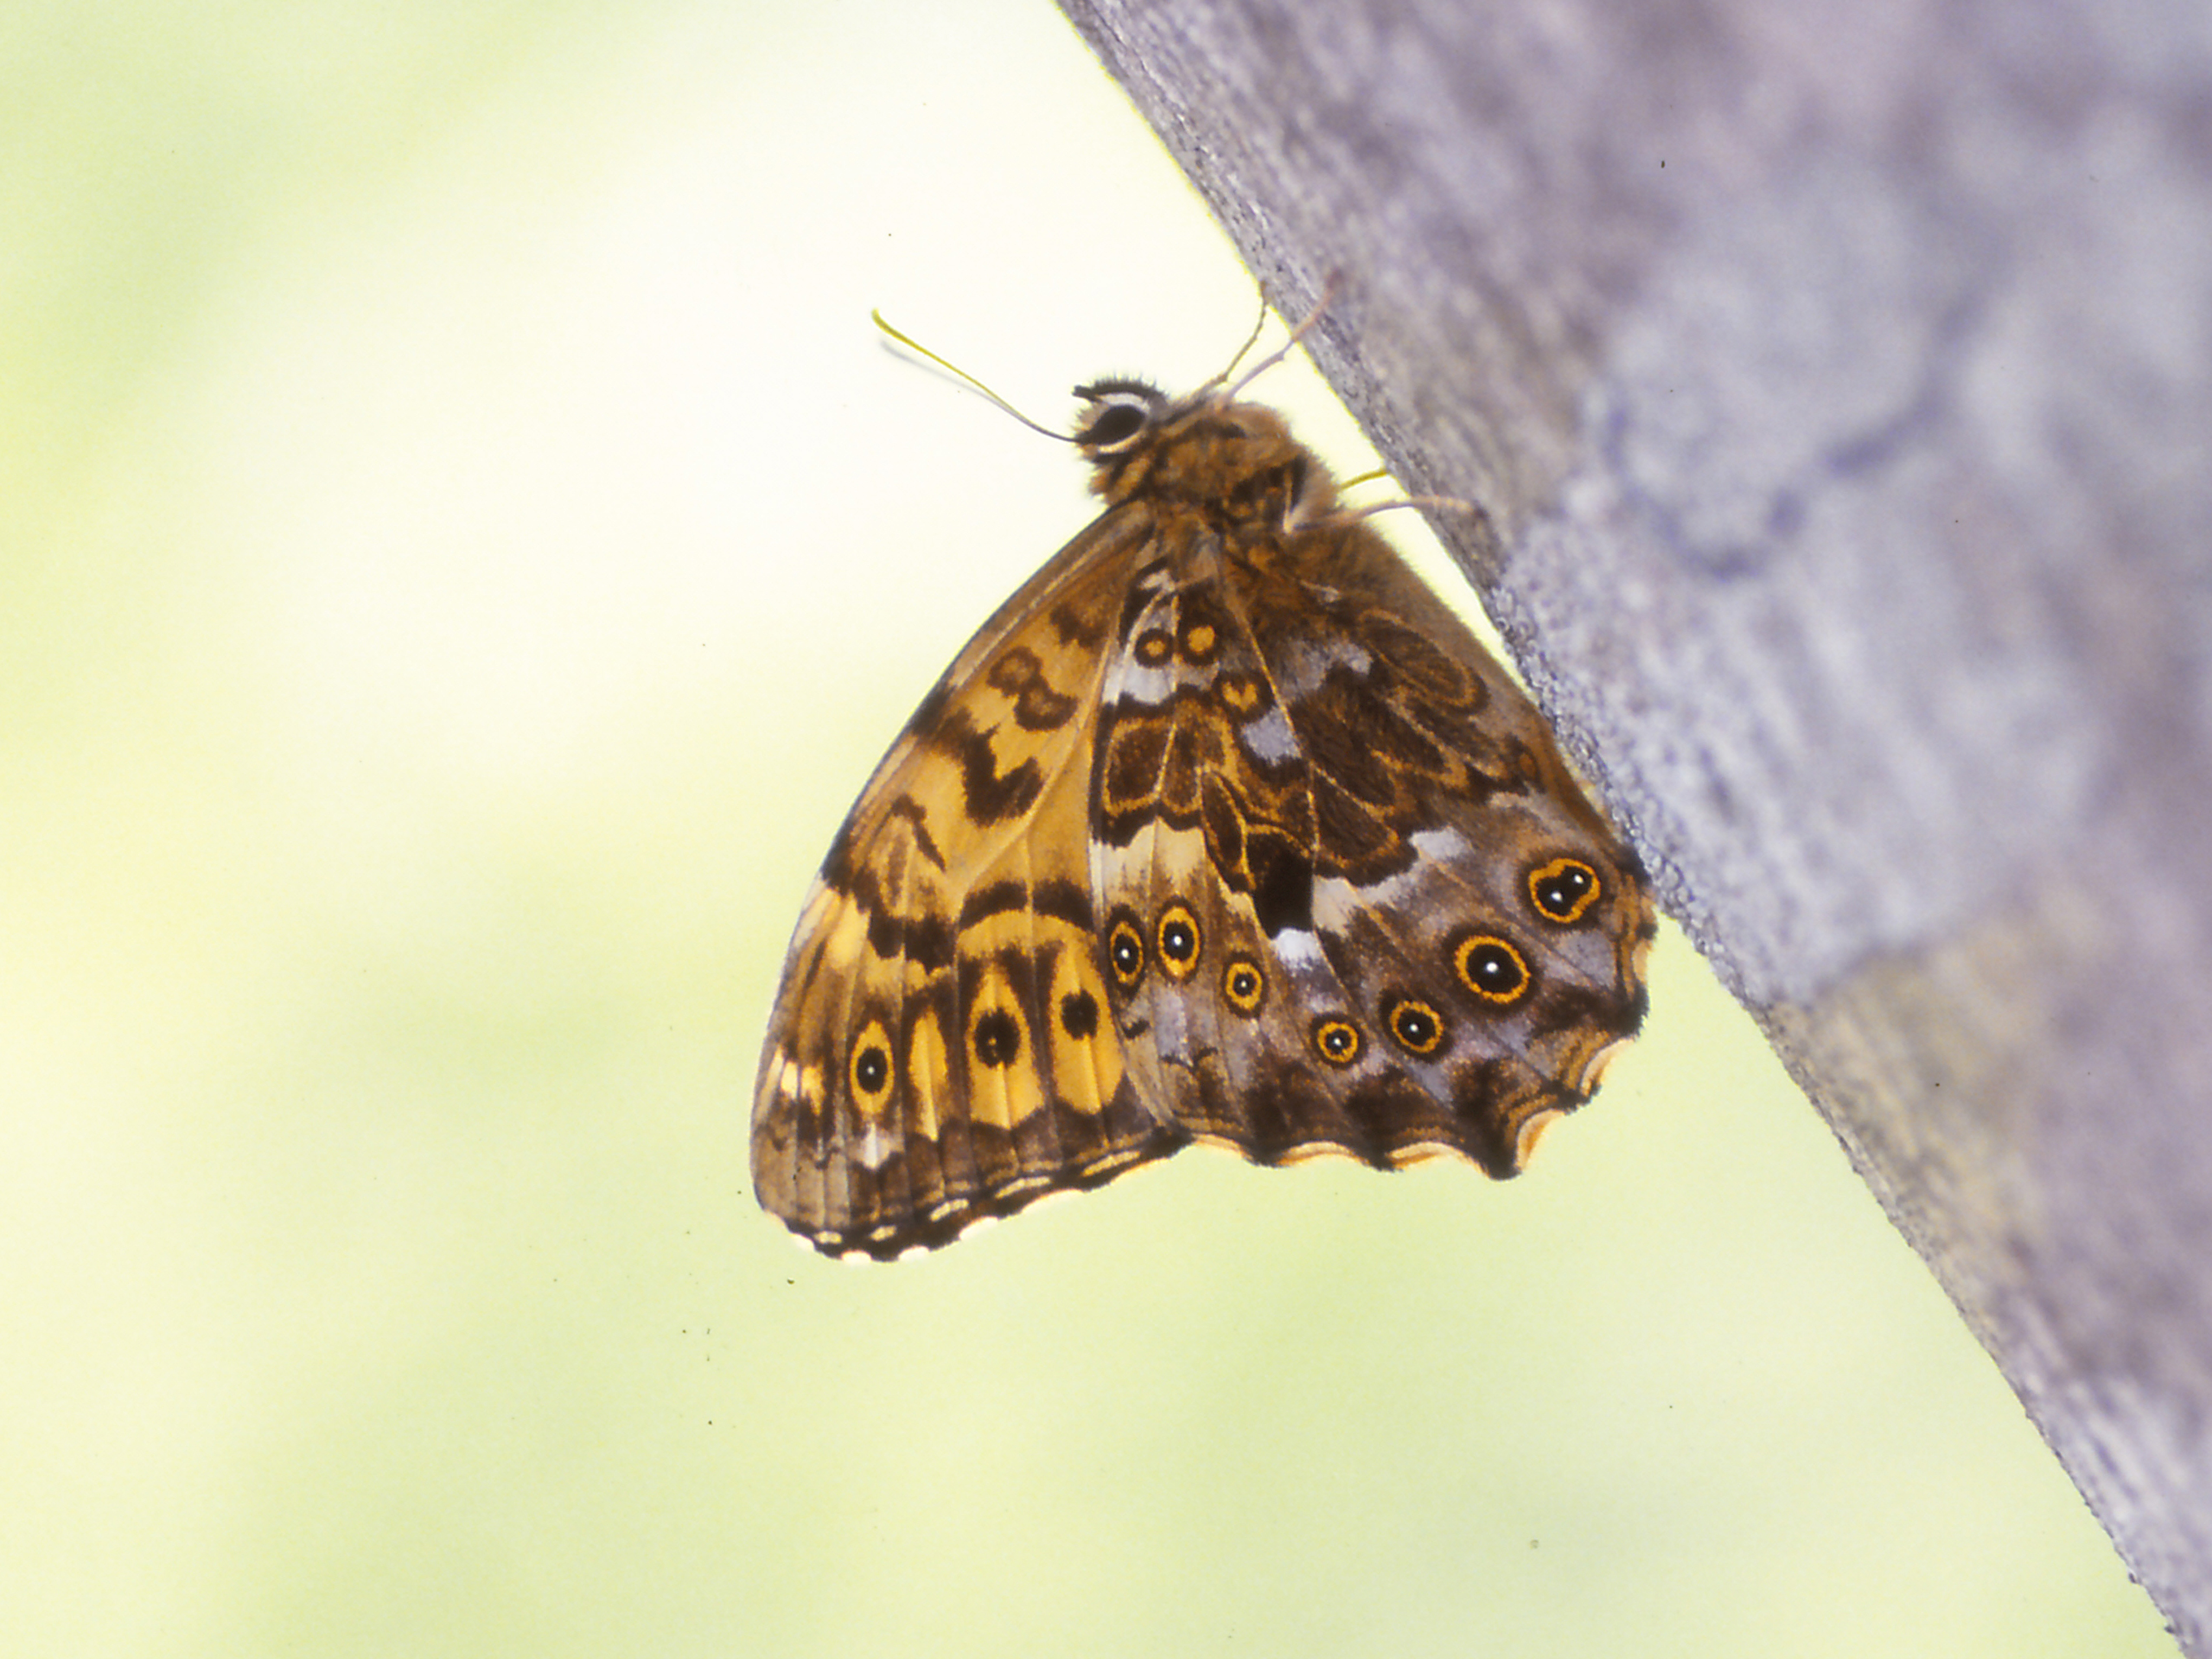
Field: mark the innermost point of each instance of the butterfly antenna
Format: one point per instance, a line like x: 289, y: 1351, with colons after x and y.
x: 954, y: 369
x: 1305, y: 326
x: 1250, y: 340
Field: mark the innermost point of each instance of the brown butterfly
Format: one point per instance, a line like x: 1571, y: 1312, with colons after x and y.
x: 1222, y: 829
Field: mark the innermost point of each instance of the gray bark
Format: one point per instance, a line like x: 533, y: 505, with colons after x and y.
x: 1836, y: 379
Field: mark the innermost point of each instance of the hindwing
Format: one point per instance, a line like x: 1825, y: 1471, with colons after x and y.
x: 1322, y: 812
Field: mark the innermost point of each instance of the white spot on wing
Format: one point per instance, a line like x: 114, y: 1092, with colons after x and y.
x: 1148, y: 686
x: 873, y: 1150
x: 1269, y: 738
x: 1335, y: 900
x: 1300, y: 670
x: 1441, y: 842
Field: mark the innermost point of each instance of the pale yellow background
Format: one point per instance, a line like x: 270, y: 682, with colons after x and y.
x: 464, y: 548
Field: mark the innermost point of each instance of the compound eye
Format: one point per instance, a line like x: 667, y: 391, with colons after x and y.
x: 1116, y: 424
x: 1121, y: 412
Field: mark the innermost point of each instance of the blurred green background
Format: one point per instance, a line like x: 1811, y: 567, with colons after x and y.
x: 464, y: 548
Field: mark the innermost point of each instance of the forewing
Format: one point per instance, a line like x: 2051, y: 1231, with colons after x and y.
x: 938, y: 1050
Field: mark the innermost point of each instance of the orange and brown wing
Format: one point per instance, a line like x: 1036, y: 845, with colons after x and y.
x: 940, y: 1049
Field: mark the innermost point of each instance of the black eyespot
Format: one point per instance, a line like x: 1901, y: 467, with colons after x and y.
x: 996, y: 1038
x: 1490, y: 967
x: 1244, y: 986
x: 1336, y: 1041
x: 871, y: 1067
x: 1564, y: 891
x: 1125, y: 952
x: 1079, y: 1015
x: 1177, y: 936
x: 1418, y: 1028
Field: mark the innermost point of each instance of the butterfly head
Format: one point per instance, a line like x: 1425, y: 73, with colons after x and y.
x: 1206, y: 452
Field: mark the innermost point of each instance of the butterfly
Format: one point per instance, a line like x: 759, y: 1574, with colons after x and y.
x: 1222, y: 829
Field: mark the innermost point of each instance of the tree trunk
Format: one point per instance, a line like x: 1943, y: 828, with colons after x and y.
x: 1836, y: 379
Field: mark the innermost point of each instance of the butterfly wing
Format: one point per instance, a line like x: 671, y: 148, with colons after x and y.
x: 940, y: 1050
x: 1223, y: 827
x: 1376, y: 915
x: 1203, y: 842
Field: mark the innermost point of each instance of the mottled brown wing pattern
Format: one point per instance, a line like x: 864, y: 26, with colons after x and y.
x: 940, y: 1051
x: 1202, y: 849
x: 1321, y: 817
x: 1488, y: 930
x: 1223, y: 828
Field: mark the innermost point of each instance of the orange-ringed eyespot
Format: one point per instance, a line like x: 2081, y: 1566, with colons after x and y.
x: 1244, y: 986
x: 1418, y: 1028
x: 1125, y: 952
x: 870, y: 1070
x: 1564, y: 891
x: 1490, y: 967
x: 1336, y: 1041
x: 1177, y: 938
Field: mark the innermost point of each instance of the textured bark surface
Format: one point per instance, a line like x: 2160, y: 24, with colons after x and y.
x: 1839, y: 382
